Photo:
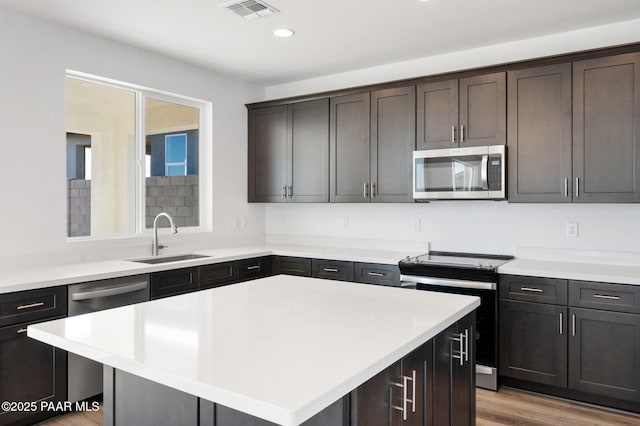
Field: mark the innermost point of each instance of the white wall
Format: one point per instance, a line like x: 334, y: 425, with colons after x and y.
x: 494, y: 227
x: 35, y: 55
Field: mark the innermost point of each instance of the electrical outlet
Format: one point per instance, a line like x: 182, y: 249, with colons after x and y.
x: 572, y: 229
x: 415, y: 225
x: 236, y: 222
x: 283, y: 220
x: 345, y: 222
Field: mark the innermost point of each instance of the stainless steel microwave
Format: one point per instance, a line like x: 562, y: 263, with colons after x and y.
x: 469, y: 173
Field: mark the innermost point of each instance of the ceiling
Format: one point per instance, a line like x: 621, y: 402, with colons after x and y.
x: 331, y: 35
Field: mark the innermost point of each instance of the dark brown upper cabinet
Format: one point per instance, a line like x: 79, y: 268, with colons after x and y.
x: 539, y: 137
x: 469, y: 111
x: 606, y: 116
x: 372, y: 136
x: 289, y: 152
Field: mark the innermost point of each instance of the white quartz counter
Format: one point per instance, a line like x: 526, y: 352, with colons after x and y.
x: 281, y: 348
x: 20, y: 277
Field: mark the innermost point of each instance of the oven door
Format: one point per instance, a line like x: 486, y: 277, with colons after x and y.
x: 486, y: 321
x: 459, y: 173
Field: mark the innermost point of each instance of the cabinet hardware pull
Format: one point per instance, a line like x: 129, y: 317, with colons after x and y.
x: 532, y: 289
x: 577, y: 186
x: 573, y: 324
x: 373, y: 190
x: 566, y: 187
x: 561, y: 323
x: 284, y: 191
x: 604, y: 296
x: 466, y: 345
x: 458, y: 354
x: 29, y: 306
x: 290, y: 191
x: 21, y: 330
x: 251, y: 268
x: 366, y: 190
x: 462, y: 133
x: 453, y: 134
x: 375, y: 274
x: 405, y: 398
x: 330, y: 269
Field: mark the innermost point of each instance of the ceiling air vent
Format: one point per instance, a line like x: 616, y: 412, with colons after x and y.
x: 251, y: 9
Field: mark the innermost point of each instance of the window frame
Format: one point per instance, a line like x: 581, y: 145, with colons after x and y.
x: 205, y: 171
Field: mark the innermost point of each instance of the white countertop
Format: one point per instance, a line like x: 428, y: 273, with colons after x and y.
x: 34, y: 276
x: 281, y: 348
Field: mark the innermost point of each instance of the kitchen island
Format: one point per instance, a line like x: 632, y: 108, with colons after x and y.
x: 280, y: 349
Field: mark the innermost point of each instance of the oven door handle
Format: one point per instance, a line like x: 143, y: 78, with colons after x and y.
x: 444, y: 282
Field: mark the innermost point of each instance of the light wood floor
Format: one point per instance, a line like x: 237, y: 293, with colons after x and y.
x: 506, y: 407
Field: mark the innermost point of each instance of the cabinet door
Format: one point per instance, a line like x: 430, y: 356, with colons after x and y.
x: 604, y: 353
x: 267, y: 154
x: 258, y: 267
x: 606, y: 116
x: 332, y: 269
x: 176, y: 281
x: 371, y: 402
x: 373, y: 273
x: 217, y: 274
x: 437, y: 115
x: 539, y: 135
x: 393, y: 140
x: 463, y: 373
x: 29, y: 371
x: 533, y: 342
x: 349, y: 149
x: 300, y: 266
x: 419, y: 365
x: 483, y: 101
x: 308, y: 151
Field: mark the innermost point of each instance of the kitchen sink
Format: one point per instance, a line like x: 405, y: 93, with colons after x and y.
x: 167, y: 259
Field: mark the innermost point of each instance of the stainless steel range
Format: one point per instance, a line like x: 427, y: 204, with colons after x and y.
x: 470, y: 274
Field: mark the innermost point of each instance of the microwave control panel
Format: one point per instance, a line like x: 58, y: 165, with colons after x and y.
x: 495, y: 173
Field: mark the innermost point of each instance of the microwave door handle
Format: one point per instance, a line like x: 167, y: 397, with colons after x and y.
x: 485, y: 171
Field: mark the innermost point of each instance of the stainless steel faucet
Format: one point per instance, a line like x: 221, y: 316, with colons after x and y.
x: 155, y: 248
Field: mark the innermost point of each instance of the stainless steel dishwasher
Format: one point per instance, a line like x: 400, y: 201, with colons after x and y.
x: 85, y: 376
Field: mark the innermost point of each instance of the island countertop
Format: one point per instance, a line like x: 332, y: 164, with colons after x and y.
x: 280, y: 348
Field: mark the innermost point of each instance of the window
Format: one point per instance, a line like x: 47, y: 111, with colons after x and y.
x: 131, y: 154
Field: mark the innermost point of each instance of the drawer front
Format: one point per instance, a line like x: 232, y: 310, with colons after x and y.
x: 218, y: 274
x: 258, y: 267
x: 332, y: 269
x: 533, y: 289
x: 177, y: 281
x: 610, y: 297
x: 32, y: 305
x: 373, y: 273
x: 300, y: 266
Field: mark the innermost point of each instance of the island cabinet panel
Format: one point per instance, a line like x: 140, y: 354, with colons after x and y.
x: 217, y: 274
x: 539, y: 134
x: 172, y: 282
x: 606, y: 134
x: 300, y: 266
x: 462, y: 112
x: 257, y: 267
x: 29, y: 371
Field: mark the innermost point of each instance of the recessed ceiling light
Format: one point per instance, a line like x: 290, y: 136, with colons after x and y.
x: 283, y: 32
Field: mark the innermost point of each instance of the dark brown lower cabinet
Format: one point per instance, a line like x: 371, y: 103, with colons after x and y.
x: 289, y: 265
x: 172, y: 282
x: 30, y: 371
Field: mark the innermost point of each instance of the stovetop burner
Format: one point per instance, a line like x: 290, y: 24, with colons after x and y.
x: 443, y: 264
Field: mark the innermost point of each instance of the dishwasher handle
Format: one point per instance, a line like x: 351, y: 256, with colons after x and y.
x: 109, y: 291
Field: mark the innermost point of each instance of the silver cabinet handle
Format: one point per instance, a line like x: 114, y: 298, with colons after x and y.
x: 566, y: 187
x: 21, y: 331
x: 604, y: 296
x: 453, y: 134
x: 577, y: 186
x: 330, y: 269
x: 466, y: 345
x: 462, y: 133
x: 375, y: 274
x: 459, y: 355
x: 405, y: 398
x: 253, y: 268
x: 290, y: 191
x: 561, y: 323
x: 373, y: 190
x: 284, y: 191
x: 366, y: 190
x: 573, y: 324
x: 111, y: 291
x: 532, y: 289
x: 29, y: 306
